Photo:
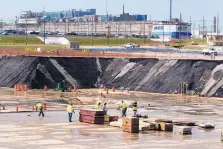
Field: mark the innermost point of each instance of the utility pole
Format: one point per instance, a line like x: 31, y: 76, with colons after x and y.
x: 180, y: 31
x: 189, y: 26
x: 211, y: 32
x: 92, y: 33
x: 88, y: 28
x: 150, y: 27
x: 16, y: 18
x: 170, y: 10
x: 194, y: 28
x: 108, y: 36
x: 163, y: 33
x: 144, y: 32
x: 44, y: 31
x: 203, y: 27
x: 44, y: 25
x: 218, y: 23
x: 107, y: 8
x: 130, y: 30
x: 26, y: 30
x: 65, y: 25
x: 68, y: 25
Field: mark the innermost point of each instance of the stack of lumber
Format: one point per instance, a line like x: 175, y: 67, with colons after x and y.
x: 91, y: 116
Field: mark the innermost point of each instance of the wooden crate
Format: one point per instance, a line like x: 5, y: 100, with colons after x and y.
x: 132, y: 129
x: 91, y: 119
x: 130, y: 125
x: 130, y: 121
x: 184, y: 130
x: 92, y: 112
x: 109, y: 118
x: 166, y: 126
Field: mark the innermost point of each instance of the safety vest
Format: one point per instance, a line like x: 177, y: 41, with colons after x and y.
x: 123, y: 105
x: 39, y: 106
x: 135, y: 108
x: 69, y: 109
x: 98, y: 107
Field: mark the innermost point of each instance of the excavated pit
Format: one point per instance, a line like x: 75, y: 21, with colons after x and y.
x: 148, y: 75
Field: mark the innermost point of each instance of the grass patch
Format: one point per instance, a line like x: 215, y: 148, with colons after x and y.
x: 10, y: 40
x: 87, y: 41
x: 33, y: 47
x: 18, y: 42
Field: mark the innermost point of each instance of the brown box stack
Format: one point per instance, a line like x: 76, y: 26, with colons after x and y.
x: 109, y: 118
x: 166, y: 126
x: 130, y: 125
x: 92, y: 116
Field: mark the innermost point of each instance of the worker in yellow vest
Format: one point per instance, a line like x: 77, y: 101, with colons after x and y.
x: 39, y: 107
x: 98, y: 107
x: 124, y: 108
x: 70, y: 112
x: 135, y: 108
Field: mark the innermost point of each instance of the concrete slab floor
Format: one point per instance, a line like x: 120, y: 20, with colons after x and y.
x: 20, y: 131
x: 28, y: 131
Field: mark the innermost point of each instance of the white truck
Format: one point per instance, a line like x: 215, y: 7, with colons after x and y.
x: 210, y: 51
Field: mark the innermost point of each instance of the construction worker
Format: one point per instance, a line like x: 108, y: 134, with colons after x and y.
x: 70, y: 111
x: 63, y: 88
x: 105, y: 108
x: 98, y: 107
x: 124, y: 108
x: 39, y: 107
x: 135, y: 108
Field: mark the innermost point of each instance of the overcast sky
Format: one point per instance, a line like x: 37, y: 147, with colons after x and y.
x: 158, y: 9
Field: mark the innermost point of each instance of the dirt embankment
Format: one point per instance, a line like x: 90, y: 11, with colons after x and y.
x: 150, y: 75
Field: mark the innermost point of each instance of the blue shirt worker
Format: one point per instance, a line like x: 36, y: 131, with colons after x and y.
x: 70, y: 112
x: 105, y: 108
x: 135, y: 108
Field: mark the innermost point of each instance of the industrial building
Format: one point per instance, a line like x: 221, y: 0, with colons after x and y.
x: 73, y: 15
x: 56, y: 16
x: 29, y: 17
x: 174, y: 29
x: 122, y: 17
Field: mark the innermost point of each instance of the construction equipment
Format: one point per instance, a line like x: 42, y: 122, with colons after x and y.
x: 206, y: 126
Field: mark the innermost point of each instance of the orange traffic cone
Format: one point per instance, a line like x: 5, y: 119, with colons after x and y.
x: 113, y: 88
x: 105, y: 88
x: 45, y: 87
